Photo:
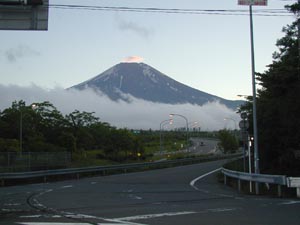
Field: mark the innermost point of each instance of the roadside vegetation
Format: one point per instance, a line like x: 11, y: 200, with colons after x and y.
x: 36, y: 134
x: 278, y: 106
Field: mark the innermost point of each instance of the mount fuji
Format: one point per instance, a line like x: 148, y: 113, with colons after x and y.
x: 145, y: 82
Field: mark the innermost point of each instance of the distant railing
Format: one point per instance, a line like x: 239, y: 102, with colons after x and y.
x: 4, y: 177
x: 32, y: 161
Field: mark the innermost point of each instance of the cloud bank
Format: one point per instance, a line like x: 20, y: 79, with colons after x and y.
x: 138, y: 114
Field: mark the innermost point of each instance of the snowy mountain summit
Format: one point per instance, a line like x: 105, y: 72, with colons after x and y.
x: 144, y: 82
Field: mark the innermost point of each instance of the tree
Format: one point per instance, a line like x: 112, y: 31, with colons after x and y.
x: 278, y: 106
x: 228, y: 142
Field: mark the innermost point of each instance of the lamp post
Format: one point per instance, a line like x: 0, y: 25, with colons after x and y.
x: 187, y: 127
x: 256, y: 156
x: 250, y: 3
x: 194, y: 123
x: 234, y: 121
x: 160, y: 134
x: 21, y: 131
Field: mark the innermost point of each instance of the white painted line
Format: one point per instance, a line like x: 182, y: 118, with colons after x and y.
x: 150, y: 216
x: 31, y: 216
x: 221, y: 209
x: 67, y: 186
x: 192, y: 183
x: 135, y: 197
x: 12, y: 204
x: 289, y: 203
x: 44, y: 223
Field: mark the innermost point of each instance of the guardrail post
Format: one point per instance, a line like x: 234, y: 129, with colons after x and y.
x: 257, y: 188
x: 239, y: 185
x: 45, y: 179
x: 225, y: 179
x: 279, y: 190
x: 298, y: 192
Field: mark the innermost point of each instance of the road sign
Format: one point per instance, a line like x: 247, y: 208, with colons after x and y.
x: 21, y: 2
x: 253, y: 2
x: 244, y: 115
x: 244, y: 124
x: 24, y: 15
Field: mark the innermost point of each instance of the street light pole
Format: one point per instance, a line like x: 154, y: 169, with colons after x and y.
x: 250, y: 3
x: 233, y: 120
x: 160, y: 134
x: 187, y: 127
x: 256, y: 157
x: 21, y: 131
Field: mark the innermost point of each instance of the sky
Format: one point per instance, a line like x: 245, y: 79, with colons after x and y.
x: 207, y: 52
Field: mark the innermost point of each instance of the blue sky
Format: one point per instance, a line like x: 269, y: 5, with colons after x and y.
x: 208, y: 52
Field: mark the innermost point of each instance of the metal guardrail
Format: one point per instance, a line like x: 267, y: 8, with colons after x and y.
x: 261, y: 178
x: 96, y: 169
x: 294, y: 182
x: 279, y: 180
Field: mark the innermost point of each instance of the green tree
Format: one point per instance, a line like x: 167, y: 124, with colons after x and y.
x: 228, y: 142
x: 278, y: 106
x: 79, y: 124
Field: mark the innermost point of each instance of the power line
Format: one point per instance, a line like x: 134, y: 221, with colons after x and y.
x: 265, y: 12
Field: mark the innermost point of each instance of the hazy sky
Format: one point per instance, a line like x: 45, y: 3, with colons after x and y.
x: 208, y: 52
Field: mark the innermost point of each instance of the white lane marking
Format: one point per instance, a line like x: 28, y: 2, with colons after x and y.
x: 12, y: 204
x: 42, y: 216
x: 43, y: 223
x: 32, y: 216
x: 135, y: 197
x: 150, y: 216
x: 67, y: 186
x: 49, y: 223
x: 289, y: 203
x: 11, y: 210
x: 221, y: 209
x: 192, y: 183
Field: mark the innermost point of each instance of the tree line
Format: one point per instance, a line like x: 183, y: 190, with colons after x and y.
x: 40, y: 127
x: 278, y: 106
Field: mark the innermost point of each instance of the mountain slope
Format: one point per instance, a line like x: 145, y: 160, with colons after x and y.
x: 144, y: 82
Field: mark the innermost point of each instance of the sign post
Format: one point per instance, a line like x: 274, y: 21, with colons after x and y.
x: 253, y: 2
x: 250, y: 3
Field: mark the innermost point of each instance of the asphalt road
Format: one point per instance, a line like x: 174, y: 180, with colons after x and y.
x: 202, y: 146
x: 181, y: 196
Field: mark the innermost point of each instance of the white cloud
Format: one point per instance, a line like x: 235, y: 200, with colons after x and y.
x: 133, y: 27
x: 133, y: 59
x: 21, y: 51
x: 138, y: 114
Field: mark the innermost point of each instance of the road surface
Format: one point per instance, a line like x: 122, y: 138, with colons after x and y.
x: 187, y: 195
